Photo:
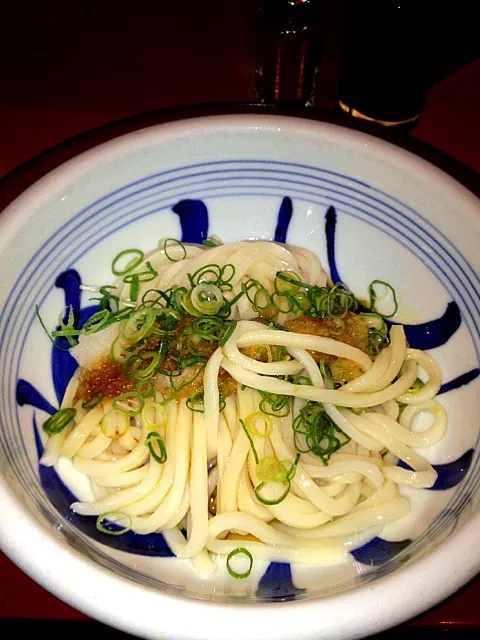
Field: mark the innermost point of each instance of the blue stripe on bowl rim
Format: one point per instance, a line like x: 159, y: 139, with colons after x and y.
x: 306, y: 195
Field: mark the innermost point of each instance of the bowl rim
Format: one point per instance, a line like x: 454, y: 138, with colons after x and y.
x: 184, y: 617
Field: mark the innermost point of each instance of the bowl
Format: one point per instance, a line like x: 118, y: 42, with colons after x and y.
x: 368, y: 210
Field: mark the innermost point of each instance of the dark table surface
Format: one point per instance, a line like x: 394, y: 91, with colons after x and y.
x: 66, y: 68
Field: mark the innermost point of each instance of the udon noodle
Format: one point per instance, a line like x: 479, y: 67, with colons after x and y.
x: 230, y: 397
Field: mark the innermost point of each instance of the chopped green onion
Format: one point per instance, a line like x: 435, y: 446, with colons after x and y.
x: 174, y: 250
x: 212, y: 242
x: 107, y: 298
x: 94, y: 401
x: 54, y: 342
x: 115, y: 423
x: 242, y: 574
x: 276, y: 325
x: 231, y: 326
x: 134, y: 280
x: 153, y: 440
x: 298, y: 379
x: 326, y: 371
x: 227, y: 273
x: 177, y: 297
x: 135, y: 259
x: 131, y: 403
x: 118, y: 350
x: 283, y: 303
x: 274, y: 404
x: 332, y: 302
x: 145, y: 388
x: 301, y: 301
x: 374, y: 321
x: 139, y: 324
x: 270, y: 469
x: 67, y: 328
x: 293, y: 468
x: 186, y: 302
x: 376, y: 341
x: 209, y: 328
x: 287, y: 282
x: 195, y: 403
x: 374, y: 297
x: 261, y: 299
x: 155, y: 298
x: 59, y: 421
x: 416, y: 386
x: 254, y: 419
x: 207, y: 298
x: 221, y: 404
x: 182, y: 386
x: 143, y: 276
x: 97, y: 321
x: 209, y: 273
x: 131, y: 365
x: 254, y: 451
x: 167, y: 321
x: 144, y: 366
x: 154, y: 408
x: 320, y: 434
x: 264, y: 492
x: 114, y: 519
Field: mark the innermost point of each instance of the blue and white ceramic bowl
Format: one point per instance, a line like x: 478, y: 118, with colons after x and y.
x: 368, y: 210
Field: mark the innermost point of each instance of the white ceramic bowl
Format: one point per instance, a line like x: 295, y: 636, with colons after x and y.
x: 396, y: 218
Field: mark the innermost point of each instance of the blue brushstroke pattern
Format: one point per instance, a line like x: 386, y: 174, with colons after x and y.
x: 449, y: 474
x: 61, y: 497
x: 330, y: 233
x: 27, y: 394
x: 283, y: 220
x: 62, y: 363
x: 379, y: 551
x: 434, y: 333
x: 63, y: 367
x: 193, y: 216
x: 70, y: 281
x: 460, y: 381
x: 277, y: 584
x: 427, y: 335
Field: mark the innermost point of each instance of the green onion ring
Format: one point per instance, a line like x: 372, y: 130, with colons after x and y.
x: 236, y: 552
x: 139, y: 324
x: 269, y: 469
x: 373, y: 298
x: 124, y: 401
x: 266, y: 501
x: 155, y: 438
x: 254, y: 451
x: 134, y: 262
x: 109, y: 424
x: 59, y: 421
x: 207, y: 298
x: 169, y: 246
x: 232, y: 324
x: 111, y: 515
x: 94, y: 401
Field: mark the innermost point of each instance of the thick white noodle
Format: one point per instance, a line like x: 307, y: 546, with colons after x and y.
x: 329, y: 509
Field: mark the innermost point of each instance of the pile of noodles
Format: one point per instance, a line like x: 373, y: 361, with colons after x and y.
x: 212, y: 456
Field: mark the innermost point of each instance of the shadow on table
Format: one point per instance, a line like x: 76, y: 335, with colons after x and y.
x: 93, y: 630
